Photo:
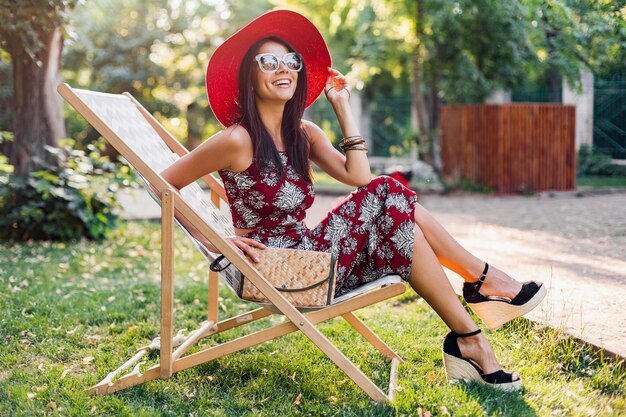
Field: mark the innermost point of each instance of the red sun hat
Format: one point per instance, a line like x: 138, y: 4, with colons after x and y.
x: 295, y: 29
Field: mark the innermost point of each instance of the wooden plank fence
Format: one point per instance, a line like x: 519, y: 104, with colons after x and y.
x: 512, y: 148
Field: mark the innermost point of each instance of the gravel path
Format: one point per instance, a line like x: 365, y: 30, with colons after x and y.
x: 575, y: 245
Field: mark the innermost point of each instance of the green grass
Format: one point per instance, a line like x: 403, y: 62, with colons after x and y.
x: 73, y: 312
x: 600, y: 181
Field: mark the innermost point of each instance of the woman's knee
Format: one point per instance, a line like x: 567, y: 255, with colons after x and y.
x: 420, y: 214
x: 418, y: 233
x: 386, y: 181
x: 380, y: 180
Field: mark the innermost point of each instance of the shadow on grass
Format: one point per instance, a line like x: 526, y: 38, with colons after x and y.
x: 272, y: 387
x: 496, y: 402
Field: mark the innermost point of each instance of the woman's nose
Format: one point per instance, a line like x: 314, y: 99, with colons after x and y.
x: 282, y: 67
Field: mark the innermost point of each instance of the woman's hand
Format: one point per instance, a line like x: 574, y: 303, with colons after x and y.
x: 247, y: 245
x: 337, y: 88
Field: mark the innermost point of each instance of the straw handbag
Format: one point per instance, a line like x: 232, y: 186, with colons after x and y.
x: 306, y: 278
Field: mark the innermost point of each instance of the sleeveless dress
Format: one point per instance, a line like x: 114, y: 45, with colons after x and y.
x: 371, y: 231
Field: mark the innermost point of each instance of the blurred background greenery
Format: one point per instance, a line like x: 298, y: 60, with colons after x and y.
x: 458, y: 51
x: 405, y: 57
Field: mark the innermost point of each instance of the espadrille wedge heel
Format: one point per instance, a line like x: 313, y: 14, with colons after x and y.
x: 460, y: 369
x: 494, y: 311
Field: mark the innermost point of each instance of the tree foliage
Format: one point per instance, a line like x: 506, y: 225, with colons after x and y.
x: 157, y: 51
x: 571, y: 35
x: 463, y: 49
x: 25, y: 23
x: 74, y: 198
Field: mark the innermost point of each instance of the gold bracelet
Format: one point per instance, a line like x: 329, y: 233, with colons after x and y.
x: 350, y: 146
x: 355, y: 140
x: 355, y: 148
x: 351, y: 142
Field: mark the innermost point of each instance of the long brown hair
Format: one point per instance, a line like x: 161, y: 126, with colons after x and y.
x: 265, y: 152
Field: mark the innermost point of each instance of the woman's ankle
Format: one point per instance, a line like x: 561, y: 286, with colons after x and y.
x: 478, y: 349
x: 498, y: 283
x: 473, y: 271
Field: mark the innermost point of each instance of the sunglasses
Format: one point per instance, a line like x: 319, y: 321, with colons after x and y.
x: 269, y: 63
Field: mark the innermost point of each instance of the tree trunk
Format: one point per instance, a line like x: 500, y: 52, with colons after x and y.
x: 38, y: 118
x: 419, y: 114
x: 433, y: 111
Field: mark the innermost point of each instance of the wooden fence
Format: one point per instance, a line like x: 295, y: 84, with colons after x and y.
x: 511, y: 148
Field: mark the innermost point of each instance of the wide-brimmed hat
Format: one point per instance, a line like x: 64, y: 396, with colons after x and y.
x: 295, y: 29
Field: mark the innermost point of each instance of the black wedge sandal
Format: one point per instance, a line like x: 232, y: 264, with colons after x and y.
x: 460, y: 369
x: 494, y: 311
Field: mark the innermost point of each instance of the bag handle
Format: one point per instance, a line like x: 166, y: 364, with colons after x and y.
x: 215, y: 264
x: 216, y: 268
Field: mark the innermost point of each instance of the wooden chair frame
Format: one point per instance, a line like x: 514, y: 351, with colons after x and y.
x: 172, y: 361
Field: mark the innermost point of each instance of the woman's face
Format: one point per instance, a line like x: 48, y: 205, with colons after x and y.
x: 278, y: 86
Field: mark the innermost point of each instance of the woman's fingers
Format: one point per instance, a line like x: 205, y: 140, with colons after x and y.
x: 246, y: 249
x: 333, y: 72
x: 329, y: 85
x: 247, y: 245
x: 335, y: 79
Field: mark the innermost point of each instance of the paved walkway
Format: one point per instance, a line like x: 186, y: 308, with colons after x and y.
x: 575, y: 245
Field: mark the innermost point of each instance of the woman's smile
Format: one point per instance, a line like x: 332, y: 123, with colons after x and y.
x: 283, y: 83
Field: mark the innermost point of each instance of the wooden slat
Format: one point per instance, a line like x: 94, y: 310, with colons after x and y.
x: 371, y: 337
x: 512, y: 147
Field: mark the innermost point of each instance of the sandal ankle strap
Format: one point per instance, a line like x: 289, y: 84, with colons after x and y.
x: 474, y: 333
x: 481, y: 279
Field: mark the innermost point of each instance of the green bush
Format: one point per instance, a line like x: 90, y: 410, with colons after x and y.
x: 69, y: 201
x: 593, y: 162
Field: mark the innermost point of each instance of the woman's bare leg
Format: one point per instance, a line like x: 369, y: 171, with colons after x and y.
x: 455, y: 257
x: 429, y: 280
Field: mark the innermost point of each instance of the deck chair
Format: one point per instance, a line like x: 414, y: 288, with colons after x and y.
x: 149, y: 149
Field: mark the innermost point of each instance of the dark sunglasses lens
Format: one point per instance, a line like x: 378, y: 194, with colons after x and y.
x: 268, y: 62
x: 293, y: 61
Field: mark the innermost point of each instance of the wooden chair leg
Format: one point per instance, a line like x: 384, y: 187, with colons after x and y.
x: 393, y: 379
x: 213, y: 314
x: 167, y: 285
x: 371, y: 337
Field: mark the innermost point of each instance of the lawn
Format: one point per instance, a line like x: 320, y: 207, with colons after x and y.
x: 74, y: 312
x: 598, y: 181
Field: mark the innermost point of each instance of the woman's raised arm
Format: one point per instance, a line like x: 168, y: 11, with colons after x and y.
x: 353, y: 168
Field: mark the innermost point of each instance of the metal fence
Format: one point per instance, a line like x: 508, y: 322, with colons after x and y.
x: 609, y: 115
x: 389, y: 124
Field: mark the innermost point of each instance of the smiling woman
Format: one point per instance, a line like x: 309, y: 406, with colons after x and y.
x: 259, y: 82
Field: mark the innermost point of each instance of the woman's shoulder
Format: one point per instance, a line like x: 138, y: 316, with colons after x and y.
x: 237, y: 135
x: 236, y: 147
x: 312, y: 130
x: 309, y: 125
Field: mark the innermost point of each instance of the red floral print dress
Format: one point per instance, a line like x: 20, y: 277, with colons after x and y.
x: 371, y: 231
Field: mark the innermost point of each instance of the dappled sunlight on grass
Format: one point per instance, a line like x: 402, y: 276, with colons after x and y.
x: 74, y: 312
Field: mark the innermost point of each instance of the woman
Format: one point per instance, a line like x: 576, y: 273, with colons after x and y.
x: 259, y: 82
